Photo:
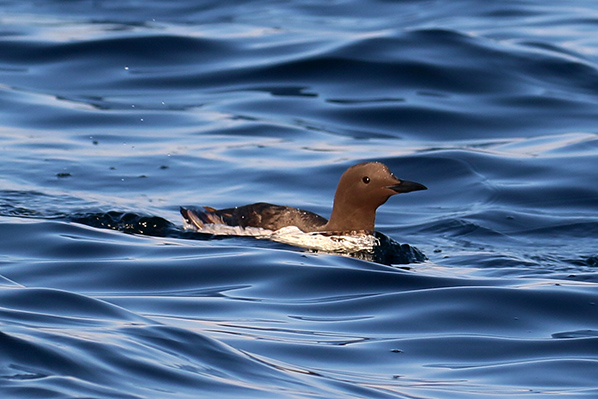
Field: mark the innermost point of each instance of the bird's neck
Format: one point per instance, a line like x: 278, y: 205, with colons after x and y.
x: 351, y: 219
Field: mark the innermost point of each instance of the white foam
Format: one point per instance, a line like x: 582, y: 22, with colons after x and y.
x: 218, y: 229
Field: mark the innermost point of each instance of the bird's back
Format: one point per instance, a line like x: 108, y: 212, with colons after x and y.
x: 261, y: 215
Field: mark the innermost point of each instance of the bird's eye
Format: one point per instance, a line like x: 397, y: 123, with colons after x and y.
x: 366, y: 179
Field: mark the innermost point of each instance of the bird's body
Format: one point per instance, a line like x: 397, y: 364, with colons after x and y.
x: 261, y: 214
x: 361, y: 190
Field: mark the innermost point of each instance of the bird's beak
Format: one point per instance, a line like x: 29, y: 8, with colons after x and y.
x: 405, y: 186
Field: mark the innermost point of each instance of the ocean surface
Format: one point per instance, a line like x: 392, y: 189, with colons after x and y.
x: 116, y: 113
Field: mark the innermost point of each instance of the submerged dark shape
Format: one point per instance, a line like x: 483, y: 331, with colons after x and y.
x: 360, y: 191
x: 128, y: 222
x: 390, y: 252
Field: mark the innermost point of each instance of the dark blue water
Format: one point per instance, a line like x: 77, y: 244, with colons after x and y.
x: 115, y: 113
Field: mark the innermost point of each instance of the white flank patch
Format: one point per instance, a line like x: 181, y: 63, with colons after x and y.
x: 294, y: 236
x: 320, y: 242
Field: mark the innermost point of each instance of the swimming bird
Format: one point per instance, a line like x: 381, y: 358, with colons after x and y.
x: 361, y: 190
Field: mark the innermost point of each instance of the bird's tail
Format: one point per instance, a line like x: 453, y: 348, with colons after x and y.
x: 199, y: 219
